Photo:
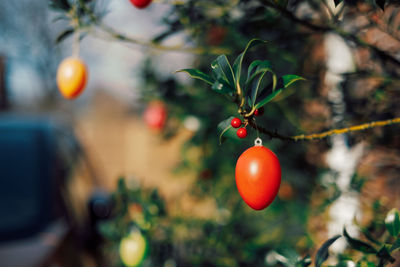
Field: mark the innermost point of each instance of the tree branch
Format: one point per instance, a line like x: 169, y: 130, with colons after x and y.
x: 325, y: 134
x: 176, y: 48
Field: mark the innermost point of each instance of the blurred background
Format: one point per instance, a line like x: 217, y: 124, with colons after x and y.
x: 93, y: 182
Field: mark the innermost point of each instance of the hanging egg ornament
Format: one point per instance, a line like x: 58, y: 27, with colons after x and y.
x: 140, y: 3
x: 133, y: 249
x: 155, y: 115
x: 71, y: 77
x: 258, y: 176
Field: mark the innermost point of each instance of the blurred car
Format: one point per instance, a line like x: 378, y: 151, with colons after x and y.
x: 42, y: 221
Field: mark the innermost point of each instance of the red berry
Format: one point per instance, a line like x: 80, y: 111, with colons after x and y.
x: 241, y: 132
x: 236, y: 122
x: 259, y: 112
x: 140, y: 3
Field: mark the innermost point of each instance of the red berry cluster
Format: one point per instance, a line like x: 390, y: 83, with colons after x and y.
x: 236, y: 123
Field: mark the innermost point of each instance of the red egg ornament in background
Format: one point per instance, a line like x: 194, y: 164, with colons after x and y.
x: 155, y: 115
x: 258, y: 176
x: 140, y: 3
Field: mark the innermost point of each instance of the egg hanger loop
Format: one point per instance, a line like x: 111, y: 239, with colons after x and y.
x: 258, y: 142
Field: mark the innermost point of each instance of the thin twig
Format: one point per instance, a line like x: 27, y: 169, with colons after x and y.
x: 322, y: 135
x: 148, y: 44
x: 176, y: 48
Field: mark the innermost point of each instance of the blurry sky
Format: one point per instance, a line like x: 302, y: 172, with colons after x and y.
x: 27, y: 34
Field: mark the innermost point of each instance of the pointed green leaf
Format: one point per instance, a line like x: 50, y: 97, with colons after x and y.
x: 223, y: 70
x: 260, y: 66
x: 256, y: 88
x: 366, y: 264
x: 237, y: 65
x: 368, y: 235
x: 281, y: 3
x: 222, y: 134
x: 62, y: 5
x: 283, y: 82
x: 287, y: 80
x: 323, y: 253
x: 226, y: 130
x: 197, y: 74
x: 253, y: 65
x: 358, y: 244
x: 392, y: 222
x: 268, y: 98
x: 395, y: 245
x: 61, y: 17
x: 64, y: 35
x: 384, y: 254
x: 222, y: 87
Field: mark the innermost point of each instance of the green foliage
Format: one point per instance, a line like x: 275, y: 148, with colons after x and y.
x: 62, y: 5
x: 392, y: 222
x: 197, y: 74
x: 64, y: 35
x: 237, y: 236
x: 358, y: 244
x: 322, y: 253
x: 383, y: 255
x: 249, y: 95
x: 226, y: 130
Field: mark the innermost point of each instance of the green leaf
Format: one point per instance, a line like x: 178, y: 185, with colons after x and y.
x: 253, y: 65
x: 237, y: 65
x: 256, y: 88
x: 222, y: 87
x: 61, y: 17
x: 368, y: 235
x: 392, y: 222
x: 323, y: 253
x: 197, y: 74
x: 337, y: 2
x: 304, y: 262
x: 384, y: 254
x: 286, y: 80
x: 268, y: 98
x: 259, y: 66
x: 395, y: 245
x: 64, y: 35
x: 223, y: 70
x: 283, y: 82
x: 281, y: 3
x: 226, y: 130
x: 358, y: 244
x: 62, y: 5
x: 366, y: 264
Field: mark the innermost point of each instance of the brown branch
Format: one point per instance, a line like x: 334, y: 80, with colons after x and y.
x: 325, y: 134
